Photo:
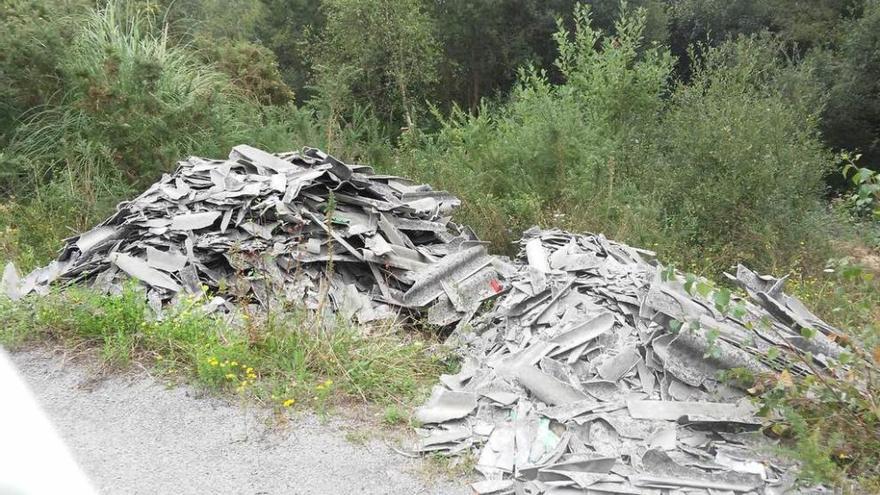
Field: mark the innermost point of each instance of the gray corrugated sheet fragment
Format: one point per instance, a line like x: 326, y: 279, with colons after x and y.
x: 583, y: 463
x: 492, y: 487
x: 570, y: 410
x: 194, y: 221
x: 498, y: 455
x: 663, y: 472
x: 441, y: 439
x: 613, y: 368
x: 446, y: 405
x: 95, y: 237
x: 503, y: 398
x: 142, y: 271
x: 537, y: 255
x: 260, y: 158
x: 581, y: 333
x: 546, y: 388
x: 454, y: 268
x: 165, y: 260
x: 11, y: 282
x: 694, y: 412
x: 664, y: 438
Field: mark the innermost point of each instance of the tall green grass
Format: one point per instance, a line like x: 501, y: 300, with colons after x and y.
x: 131, y: 104
x: 286, y: 354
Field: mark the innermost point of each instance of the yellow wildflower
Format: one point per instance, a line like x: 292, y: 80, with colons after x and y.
x: 288, y: 403
x: 230, y: 376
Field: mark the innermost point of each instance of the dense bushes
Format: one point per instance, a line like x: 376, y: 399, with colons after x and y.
x: 33, y: 37
x: 727, y: 167
x: 737, y: 161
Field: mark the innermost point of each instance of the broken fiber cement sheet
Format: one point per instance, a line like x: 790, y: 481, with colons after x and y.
x: 263, y: 227
x: 589, y: 376
x: 590, y: 372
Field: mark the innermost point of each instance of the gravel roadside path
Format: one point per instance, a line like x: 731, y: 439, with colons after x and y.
x: 133, y: 435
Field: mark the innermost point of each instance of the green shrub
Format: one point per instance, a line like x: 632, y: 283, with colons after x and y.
x: 385, y: 51
x: 736, y: 162
x: 252, y: 68
x: 552, y: 151
x: 33, y: 38
x: 727, y: 167
x: 132, y: 105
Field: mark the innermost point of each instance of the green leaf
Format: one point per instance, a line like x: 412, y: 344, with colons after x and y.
x: 739, y: 311
x: 674, y: 326
x: 773, y: 353
x: 712, y: 335
x: 704, y: 288
x: 807, y: 333
x: 689, y: 281
x: 722, y: 299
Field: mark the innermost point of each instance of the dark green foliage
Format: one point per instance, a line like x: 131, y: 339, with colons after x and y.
x: 736, y: 161
x: 726, y: 168
x: 801, y: 23
x: 484, y: 43
x: 250, y: 67
x: 33, y: 36
x: 138, y: 103
x: 288, y: 29
x: 852, y: 117
x: 383, y: 52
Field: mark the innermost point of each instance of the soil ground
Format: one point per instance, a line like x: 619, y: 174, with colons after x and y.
x: 133, y: 434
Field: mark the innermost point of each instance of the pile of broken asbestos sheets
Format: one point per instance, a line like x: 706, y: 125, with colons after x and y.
x: 595, y: 370
x: 598, y: 372
x: 267, y: 227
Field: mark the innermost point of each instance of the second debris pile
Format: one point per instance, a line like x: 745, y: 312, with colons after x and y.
x: 599, y: 372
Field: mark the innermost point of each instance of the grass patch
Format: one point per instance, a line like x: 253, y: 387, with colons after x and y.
x: 442, y: 467
x: 284, y: 359
x: 394, y: 415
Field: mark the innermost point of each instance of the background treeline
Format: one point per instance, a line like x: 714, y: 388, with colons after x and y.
x: 711, y: 130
